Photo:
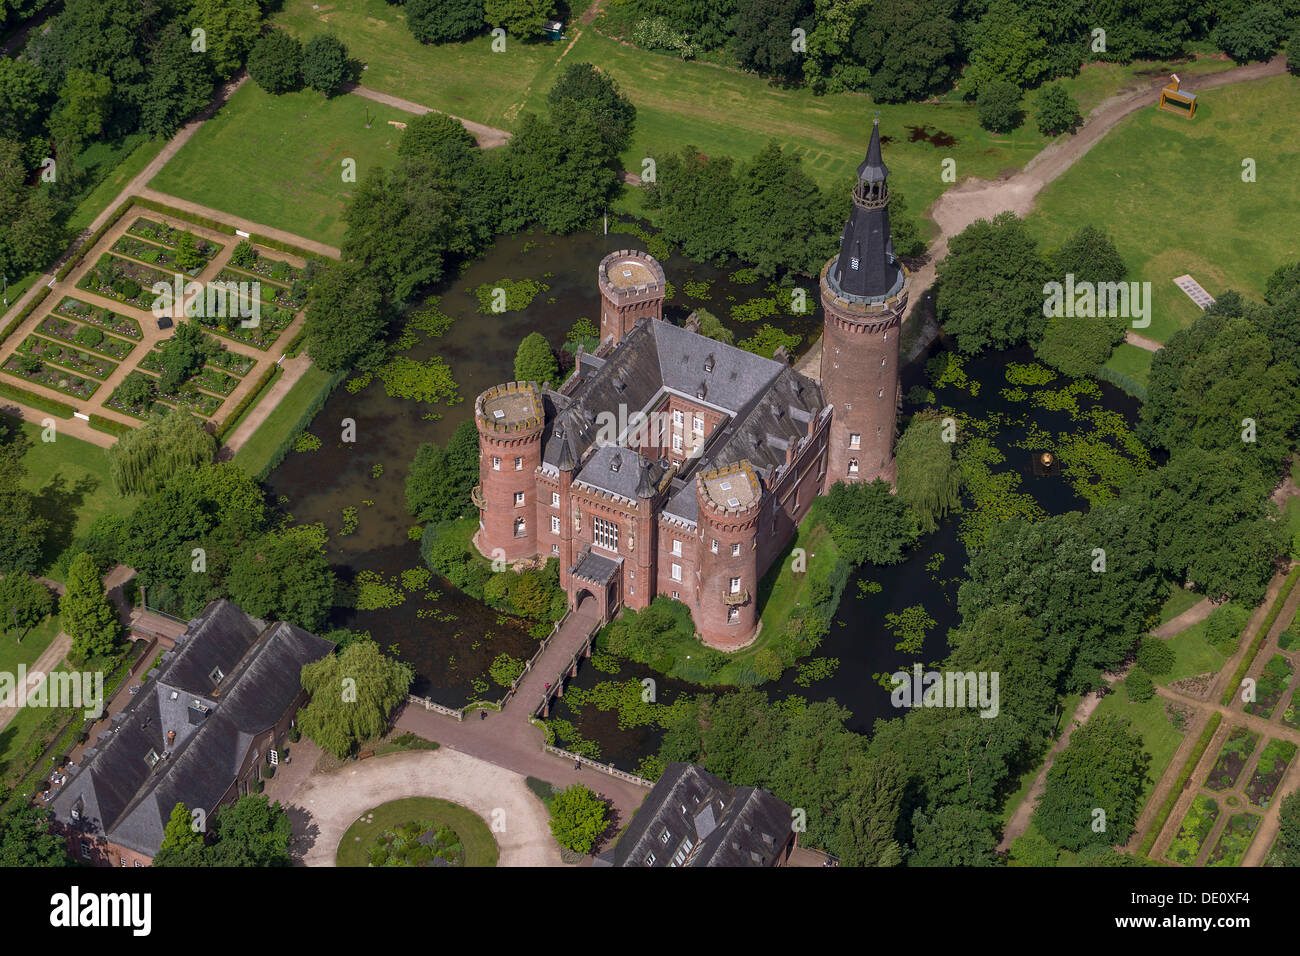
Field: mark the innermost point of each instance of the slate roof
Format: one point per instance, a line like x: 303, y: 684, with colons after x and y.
x: 115, y: 790
x: 766, y: 403
x: 715, y: 823
x: 594, y: 568
x: 866, y: 267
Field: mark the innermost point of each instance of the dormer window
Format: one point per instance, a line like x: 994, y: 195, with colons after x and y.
x: 152, y: 758
x: 708, y: 364
x: 853, y: 263
x: 615, y: 463
x: 217, y: 675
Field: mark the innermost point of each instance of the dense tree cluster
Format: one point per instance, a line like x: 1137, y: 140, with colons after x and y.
x: 900, y: 50
x: 100, y: 71
x: 252, y: 831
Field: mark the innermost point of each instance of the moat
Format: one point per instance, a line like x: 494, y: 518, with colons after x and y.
x: 451, y: 639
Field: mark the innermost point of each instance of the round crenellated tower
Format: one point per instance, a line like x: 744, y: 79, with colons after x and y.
x: 730, y: 502
x: 632, y: 286
x: 864, y: 292
x: 510, y: 419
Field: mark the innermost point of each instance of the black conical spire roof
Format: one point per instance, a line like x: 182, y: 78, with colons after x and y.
x: 866, y: 265
x: 873, y: 168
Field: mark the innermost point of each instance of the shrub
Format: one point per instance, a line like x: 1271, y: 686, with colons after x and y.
x: 1155, y: 656
x: 89, y: 337
x: 441, y: 21
x: 578, y: 818
x: 998, y: 107
x: 1254, y: 35
x: 1140, y: 686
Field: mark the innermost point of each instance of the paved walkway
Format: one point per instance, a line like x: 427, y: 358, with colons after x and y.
x: 1142, y: 342
x: 1193, y: 615
x: 327, y: 804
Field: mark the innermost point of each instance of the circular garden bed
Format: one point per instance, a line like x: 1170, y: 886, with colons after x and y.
x: 418, y: 831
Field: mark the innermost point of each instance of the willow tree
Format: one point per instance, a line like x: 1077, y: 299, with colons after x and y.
x: 929, y: 478
x: 352, y: 693
x: 143, y: 460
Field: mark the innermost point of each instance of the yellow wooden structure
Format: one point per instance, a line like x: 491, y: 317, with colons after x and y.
x: 1172, y: 100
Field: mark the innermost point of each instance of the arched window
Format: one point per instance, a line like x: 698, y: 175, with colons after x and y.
x: 853, y: 466
x: 520, y: 527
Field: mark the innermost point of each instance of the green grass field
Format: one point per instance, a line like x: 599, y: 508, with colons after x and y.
x: 257, y: 451
x: 1170, y: 192
x: 1179, y: 600
x: 1193, y: 654
x: 718, y: 110
x: 278, y: 160
x: 480, y: 846
x: 72, y: 484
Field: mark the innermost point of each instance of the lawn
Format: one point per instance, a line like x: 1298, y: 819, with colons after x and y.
x: 1193, y: 654
x: 278, y: 160
x: 1170, y: 192
x: 480, y: 846
x: 1148, y: 720
x: 33, y: 644
x: 264, y: 442
x: 73, y: 487
x: 1180, y: 599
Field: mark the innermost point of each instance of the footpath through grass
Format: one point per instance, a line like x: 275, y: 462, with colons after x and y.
x: 480, y: 846
x: 280, y: 160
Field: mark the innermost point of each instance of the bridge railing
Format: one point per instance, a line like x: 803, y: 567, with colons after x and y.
x: 597, y: 765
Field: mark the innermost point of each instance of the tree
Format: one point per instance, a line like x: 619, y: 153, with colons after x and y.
x: 23, y: 92
x: 26, y: 839
x: 909, y: 48
x: 285, y: 576
x: 1253, y: 35
x: 231, y: 28
x: 998, y: 106
x: 24, y: 601
x: 1057, y: 110
x: 1007, y: 47
x: 782, y: 218
x: 324, y: 63
x: 1091, y: 618
x: 1103, y: 768
x: 869, y: 813
x: 346, y: 319
x: 180, y: 83
x: 694, y: 194
x: 1293, y: 52
x: 582, y: 87
x: 275, y: 63
x: 1090, y: 256
x: 88, y: 616
x: 711, y: 327
x: 1080, y: 345
x: 762, y: 35
x: 138, y: 392
x: 929, y: 478
x: 578, y: 818
x: 84, y: 104
x: 521, y: 18
x: 439, y: 482
x: 183, y: 355
x: 535, y: 362
x: 1006, y: 641
x: 1212, y: 381
x: 252, y: 831
x: 181, y: 845
x: 1210, y: 523
x: 953, y: 836
x: 1139, y: 685
x: 991, y: 285
x: 352, y: 694
x: 559, y: 179
x: 868, y: 522
x: 441, y: 137
x: 441, y: 21
x: 404, y: 224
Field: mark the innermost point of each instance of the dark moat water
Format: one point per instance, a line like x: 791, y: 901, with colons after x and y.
x: 451, y: 639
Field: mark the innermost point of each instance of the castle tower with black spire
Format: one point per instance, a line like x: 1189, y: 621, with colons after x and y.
x: 864, y: 294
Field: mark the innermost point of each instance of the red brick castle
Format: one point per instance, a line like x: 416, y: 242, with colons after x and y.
x: 670, y: 463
